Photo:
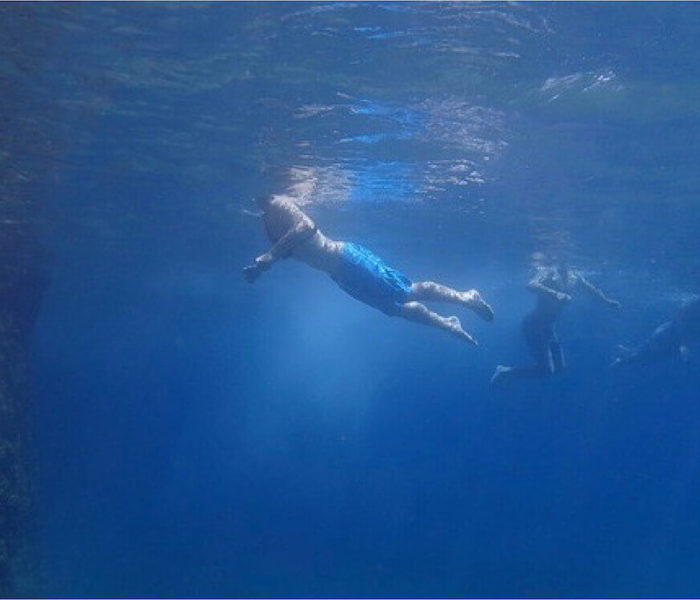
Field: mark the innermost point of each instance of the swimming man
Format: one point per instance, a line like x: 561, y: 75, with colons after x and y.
x: 669, y: 340
x: 553, y: 286
x: 356, y: 270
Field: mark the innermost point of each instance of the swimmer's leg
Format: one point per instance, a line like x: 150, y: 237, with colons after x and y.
x: 538, y: 337
x: 429, y: 290
x: 504, y: 373
x: 419, y: 313
x: 558, y: 362
x: 544, y: 363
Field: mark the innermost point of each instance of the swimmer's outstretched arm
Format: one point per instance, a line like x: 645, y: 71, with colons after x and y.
x: 596, y: 292
x: 537, y: 285
x: 301, y: 232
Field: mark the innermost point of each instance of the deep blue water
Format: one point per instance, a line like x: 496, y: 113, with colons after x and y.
x: 199, y: 436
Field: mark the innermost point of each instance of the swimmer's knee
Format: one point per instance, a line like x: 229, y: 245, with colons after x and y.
x: 418, y: 286
x: 411, y: 309
x: 412, y: 306
x: 403, y: 309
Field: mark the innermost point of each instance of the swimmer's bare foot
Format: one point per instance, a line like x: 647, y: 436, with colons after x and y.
x: 456, y: 327
x: 500, y: 374
x: 475, y: 302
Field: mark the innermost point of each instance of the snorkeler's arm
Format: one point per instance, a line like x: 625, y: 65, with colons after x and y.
x: 302, y: 231
x: 537, y: 285
x: 596, y: 292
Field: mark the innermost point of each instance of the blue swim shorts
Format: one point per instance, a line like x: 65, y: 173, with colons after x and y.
x: 367, y: 278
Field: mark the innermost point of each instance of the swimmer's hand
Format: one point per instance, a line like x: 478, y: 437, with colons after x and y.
x: 251, y: 273
x: 562, y: 297
x: 262, y: 264
x: 613, y: 304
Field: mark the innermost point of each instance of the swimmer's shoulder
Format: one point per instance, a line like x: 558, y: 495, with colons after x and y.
x: 288, y: 205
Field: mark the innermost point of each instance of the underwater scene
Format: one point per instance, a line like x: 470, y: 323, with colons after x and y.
x: 349, y: 299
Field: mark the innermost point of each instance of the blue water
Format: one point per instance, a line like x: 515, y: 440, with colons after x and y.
x: 200, y: 436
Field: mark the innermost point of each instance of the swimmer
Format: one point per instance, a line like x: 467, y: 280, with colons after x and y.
x: 358, y: 271
x: 553, y: 286
x: 669, y: 340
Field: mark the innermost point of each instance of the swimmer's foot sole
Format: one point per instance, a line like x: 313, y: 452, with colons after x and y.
x: 500, y: 374
x: 456, y: 327
x: 476, y: 303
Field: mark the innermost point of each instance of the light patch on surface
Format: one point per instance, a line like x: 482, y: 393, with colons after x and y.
x: 555, y: 88
x: 319, y: 185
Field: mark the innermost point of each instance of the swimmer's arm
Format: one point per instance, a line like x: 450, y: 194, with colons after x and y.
x: 596, y: 292
x: 301, y: 232
x: 537, y: 285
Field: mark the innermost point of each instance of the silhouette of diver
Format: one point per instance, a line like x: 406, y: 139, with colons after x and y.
x: 668, y: 340
x: 553, y: 285
x: 356, y: 270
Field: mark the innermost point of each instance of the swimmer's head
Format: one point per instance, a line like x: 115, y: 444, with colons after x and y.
x: 560, y: 264
x: 539, y: 259
x: 263, y: 201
